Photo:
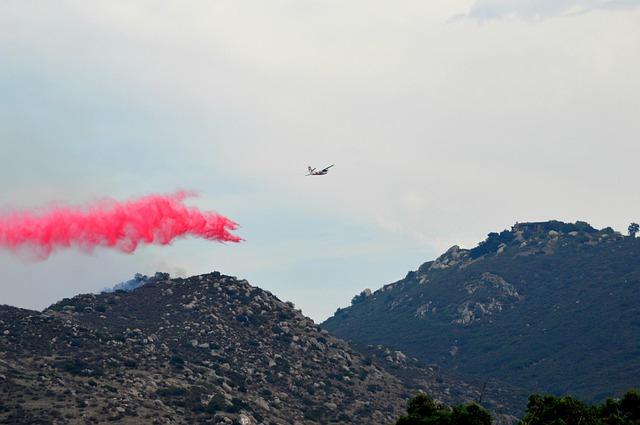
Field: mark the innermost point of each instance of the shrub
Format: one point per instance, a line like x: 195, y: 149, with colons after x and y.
x: 236, y: 405
x: 217, y: 404
x: 177, y: 360
x: 79, y: 367
x: 374, y: 388
x: 172, y: 392
x: 130, y: 363
x: 314, y: 415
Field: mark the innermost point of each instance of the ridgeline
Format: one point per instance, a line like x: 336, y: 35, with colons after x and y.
x: 548, y: 307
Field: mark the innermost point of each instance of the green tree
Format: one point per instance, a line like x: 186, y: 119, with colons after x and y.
x: 422, y: 405
x: 551, y: 410
x: 630, y: 406
x: 633, y: 229
x: 471, y: 414
x: 422, y: 410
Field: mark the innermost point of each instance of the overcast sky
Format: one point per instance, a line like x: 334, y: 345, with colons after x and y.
x: 446, y: 120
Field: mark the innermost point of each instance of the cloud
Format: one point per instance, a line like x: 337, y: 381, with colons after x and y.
x: 540, y: 9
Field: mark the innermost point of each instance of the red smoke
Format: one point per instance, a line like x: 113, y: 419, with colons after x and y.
x: 121, y: 225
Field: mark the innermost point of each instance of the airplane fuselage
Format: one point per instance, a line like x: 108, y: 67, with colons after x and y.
x: 313, y: 172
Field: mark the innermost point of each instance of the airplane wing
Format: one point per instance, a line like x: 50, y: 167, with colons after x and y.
x: 327, y: 169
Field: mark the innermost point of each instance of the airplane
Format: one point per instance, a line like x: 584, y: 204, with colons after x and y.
x: 313, y: 172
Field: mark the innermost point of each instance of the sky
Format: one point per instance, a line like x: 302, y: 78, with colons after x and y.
x: 446, y: 120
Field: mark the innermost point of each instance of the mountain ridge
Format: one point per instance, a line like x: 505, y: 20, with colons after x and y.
x: 546, y: 306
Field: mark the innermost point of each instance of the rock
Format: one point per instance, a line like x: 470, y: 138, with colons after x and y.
x: 260, y: 402
x: 245, y: 420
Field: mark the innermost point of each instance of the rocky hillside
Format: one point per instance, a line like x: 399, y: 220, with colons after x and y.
x: 506, y: 402
x: 549, y: 307
x: 208, y: 349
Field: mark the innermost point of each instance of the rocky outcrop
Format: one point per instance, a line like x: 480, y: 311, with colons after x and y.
x: 487, y: 296
x: 452, y: 258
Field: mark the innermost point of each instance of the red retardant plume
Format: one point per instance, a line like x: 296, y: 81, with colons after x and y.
x: 120, y: 225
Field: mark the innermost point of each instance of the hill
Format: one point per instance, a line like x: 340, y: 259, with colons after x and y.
x: 207, y: 349
x: 549, y: 307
